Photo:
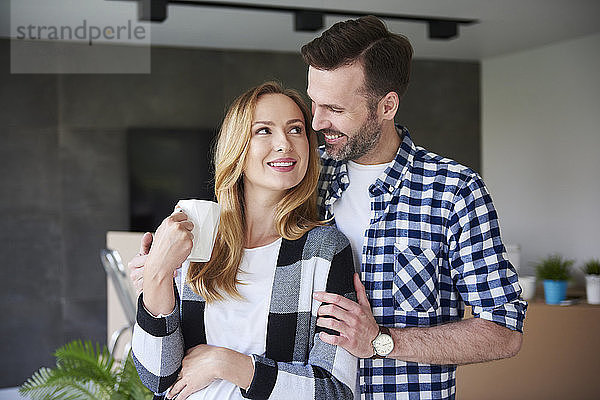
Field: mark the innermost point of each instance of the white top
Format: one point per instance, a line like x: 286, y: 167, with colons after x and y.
x: 241, y: 325
x: 352, y: 211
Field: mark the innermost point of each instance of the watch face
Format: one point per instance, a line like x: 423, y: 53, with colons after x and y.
x: 383, y: 344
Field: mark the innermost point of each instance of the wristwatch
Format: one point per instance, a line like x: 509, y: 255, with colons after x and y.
x: 383, y: 344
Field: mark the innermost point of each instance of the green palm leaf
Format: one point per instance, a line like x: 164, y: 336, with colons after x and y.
x: 129, y: 385
x: 83, y: 372
x: 86, y: 365
x: 56, y: 384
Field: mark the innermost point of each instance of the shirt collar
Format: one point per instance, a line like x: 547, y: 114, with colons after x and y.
x: 339, y: 182
x: 387, y: 182
x: 391, y: 178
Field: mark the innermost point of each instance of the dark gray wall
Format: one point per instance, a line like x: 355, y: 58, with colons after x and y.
x: 442, y: 109
x: 63, y: 172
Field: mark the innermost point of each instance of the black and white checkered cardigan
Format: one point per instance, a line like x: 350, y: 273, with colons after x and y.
x: 297, y: 364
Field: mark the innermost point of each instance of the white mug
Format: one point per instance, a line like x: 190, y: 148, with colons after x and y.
x: 205, y: 216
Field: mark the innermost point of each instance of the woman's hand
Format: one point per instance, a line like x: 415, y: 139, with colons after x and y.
x: 198, y: 369
x: 172, y: 244
x: 205, y: 363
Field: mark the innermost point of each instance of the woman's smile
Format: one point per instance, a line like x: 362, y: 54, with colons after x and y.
x: 283, y: 164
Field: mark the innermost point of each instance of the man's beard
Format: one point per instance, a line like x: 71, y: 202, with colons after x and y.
x: 363, y: 141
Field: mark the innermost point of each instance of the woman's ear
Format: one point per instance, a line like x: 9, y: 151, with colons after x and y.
x: 388, y: 106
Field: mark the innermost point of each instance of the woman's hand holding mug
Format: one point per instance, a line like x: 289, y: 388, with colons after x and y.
x: 171, y: 246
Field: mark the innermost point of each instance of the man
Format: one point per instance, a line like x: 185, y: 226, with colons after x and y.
x: 423, y: 228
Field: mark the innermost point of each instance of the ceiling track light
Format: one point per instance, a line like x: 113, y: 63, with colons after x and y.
x: 306, y: 19
x: 152, y: 10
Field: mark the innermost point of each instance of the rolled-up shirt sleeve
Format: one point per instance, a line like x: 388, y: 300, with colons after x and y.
x: 480, y: 269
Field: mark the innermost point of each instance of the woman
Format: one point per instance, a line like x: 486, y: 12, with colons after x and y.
x: 246, y: 319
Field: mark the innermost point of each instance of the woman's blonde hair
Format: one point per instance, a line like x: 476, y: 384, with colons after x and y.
x: 295, y: 214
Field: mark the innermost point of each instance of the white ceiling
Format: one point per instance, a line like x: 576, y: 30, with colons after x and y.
x: 505, y: 26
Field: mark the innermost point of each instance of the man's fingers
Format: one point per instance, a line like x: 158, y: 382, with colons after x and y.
x: 334, y: 339
x: 136, y: 274
x: 336, y: 299
x: 146, y: 243
x: 332, y: 310
x: 137, y: 262
x: 361, y: 294
x: 333, y: 324
x: 138, y: 286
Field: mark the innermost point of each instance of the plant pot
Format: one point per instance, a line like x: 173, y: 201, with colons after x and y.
x: 592, y: 288
x: 555, y: 291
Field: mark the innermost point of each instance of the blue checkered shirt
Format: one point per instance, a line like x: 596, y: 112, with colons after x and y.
x: 433, y: 245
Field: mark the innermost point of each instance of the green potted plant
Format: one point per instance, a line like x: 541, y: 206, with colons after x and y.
x: 592, y: 281
x: 84, y: 372
x: 555, y: 272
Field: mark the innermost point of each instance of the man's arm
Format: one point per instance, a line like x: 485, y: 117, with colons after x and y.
x: 462, y: 342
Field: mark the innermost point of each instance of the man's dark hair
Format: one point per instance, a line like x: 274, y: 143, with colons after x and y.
x: 384, y: 56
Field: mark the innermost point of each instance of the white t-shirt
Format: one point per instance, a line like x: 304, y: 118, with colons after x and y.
x: 241, y: 325
x: 352, y: 211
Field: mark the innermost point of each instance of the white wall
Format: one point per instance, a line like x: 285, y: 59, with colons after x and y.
x: 541, y: 148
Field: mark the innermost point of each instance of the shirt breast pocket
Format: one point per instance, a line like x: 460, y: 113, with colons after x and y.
x: 416, y: 283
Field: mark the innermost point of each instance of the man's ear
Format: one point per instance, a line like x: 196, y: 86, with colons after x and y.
x: 388, y: 106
